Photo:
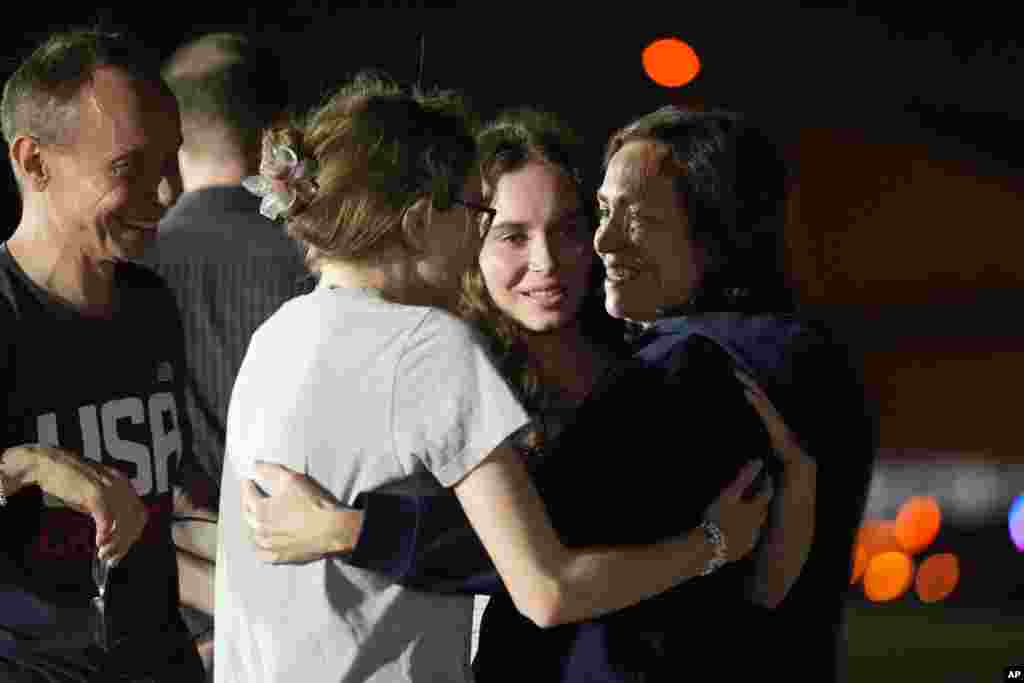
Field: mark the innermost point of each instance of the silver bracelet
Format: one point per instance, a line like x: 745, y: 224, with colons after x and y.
x: 713, y: 534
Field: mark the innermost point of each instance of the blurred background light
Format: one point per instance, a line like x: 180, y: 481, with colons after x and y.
x: 860, y: 562
x: 877, y: 536
x: 670, y: 62
x: 1016, y: 522
x: 970, y: 492
x: 888, y: 576
x: 917, y: 523
x: 937, y: 576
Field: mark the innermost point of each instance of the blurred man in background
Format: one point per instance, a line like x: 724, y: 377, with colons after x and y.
x: 229, y: 267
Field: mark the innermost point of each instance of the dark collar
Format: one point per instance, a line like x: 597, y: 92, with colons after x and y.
x: 676, y: 311
x: 687, y: 321
x: 660, y: 328
x: 218, y: 198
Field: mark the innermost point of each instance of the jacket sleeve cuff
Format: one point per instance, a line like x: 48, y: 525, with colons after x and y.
x: 387, y: 540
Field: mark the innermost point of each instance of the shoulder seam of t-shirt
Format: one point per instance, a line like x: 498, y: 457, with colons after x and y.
x: 394, y: 382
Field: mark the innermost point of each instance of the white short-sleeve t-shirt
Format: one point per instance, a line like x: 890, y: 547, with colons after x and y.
x: 359, y: 393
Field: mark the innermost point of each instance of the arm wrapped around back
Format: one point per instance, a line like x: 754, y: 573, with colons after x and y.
x: 646, y: 454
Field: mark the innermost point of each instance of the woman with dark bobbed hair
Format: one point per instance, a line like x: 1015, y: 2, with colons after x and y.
x: 692, y: 211
x: 724, y: 182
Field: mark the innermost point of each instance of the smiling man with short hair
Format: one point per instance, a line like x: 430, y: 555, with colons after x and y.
x: 94, y: 440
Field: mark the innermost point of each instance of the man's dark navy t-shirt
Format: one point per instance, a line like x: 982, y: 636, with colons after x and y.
x: 109, y: 389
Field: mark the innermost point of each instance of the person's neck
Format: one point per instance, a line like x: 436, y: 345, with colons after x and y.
x: 568, y: 360
x: 389, y: 272
x: 336, y: 274
x: 63, y: 269
x: 201, y: 174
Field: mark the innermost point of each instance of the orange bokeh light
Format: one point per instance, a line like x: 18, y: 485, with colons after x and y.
x: 860, y: 562
x: 937, y: 577
x: 917, y: 523
x: 888, y: 576
x: 670, y: 62
x: 878, y: 536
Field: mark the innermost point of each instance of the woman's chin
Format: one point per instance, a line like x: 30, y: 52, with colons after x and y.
x: 545, y: 324
x: 548, y: 318
x: 621, y: 309
x: 615, y: 306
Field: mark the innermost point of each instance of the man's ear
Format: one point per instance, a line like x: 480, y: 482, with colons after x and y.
x: 26, y: 153
x: 415, y: 222
x: 171, y: 185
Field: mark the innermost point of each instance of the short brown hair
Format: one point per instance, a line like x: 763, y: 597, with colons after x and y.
x: 379, y: 148
x: 39, y: 98
x: 229, y: 88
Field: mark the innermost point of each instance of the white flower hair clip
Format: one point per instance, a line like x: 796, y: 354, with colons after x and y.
x: 284, y: 179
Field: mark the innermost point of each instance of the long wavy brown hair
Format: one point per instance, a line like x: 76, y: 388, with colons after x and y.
x: 506, y: 145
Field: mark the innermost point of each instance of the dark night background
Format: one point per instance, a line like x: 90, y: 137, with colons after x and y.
x: 906, y: 225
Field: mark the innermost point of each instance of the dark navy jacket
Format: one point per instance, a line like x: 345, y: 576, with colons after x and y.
x: 650, y: 448
x: 815, y: 384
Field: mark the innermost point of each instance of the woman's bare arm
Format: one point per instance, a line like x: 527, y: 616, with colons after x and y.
x: 194, y: 532
x: 195, y: 582
x: 302, y: 522
x: 779, y: 561
x: 551, y: 584
x: 790, y: 530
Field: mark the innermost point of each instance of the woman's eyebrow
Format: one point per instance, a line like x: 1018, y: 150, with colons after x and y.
x: 508, y: 225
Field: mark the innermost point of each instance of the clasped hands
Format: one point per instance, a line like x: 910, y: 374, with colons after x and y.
x: 100, y: 491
